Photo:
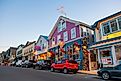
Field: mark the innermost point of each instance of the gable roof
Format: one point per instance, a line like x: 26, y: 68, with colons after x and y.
x: 29, y: 43
x: 113, y: 15
x: 67, y: 19
x: 21, y: 45
x: 45, y: 37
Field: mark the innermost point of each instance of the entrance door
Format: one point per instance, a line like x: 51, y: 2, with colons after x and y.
x: 93, y: 59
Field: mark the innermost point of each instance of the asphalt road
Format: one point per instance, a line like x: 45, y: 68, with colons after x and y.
x: 29, y: 74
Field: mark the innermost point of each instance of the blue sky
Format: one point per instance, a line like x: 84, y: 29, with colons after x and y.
x: 25, y: 20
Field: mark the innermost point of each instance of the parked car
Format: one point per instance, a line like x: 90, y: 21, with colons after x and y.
x: 27, y: 63
x: 65, y: 66
x: 110, y: 72
x: 19, y: 63
x: 13, y: 63
x: 43, y: 64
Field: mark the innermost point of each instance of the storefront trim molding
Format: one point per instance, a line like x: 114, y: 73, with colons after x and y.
x: 105, y: 45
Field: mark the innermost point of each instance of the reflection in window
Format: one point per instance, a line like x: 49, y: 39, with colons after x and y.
x: 106, y: 28
x: 105, y: 52
x: 65, y: 34
x: 119, y: 22
x: 73, y: 33
x: 113, y: 25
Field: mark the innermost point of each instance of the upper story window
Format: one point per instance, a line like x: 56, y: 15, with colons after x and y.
x: 81, y: 32
x: 84, y: 32
x: 106, y: 28
x: 113, y: 25
x: 53, y: 41
x: 100, y: 34
x: 40, y: 41
x: 58, y: 38
x: 73, y: 33
x: 65, y: 35
x: 61, y: 25
x: 119, y: 22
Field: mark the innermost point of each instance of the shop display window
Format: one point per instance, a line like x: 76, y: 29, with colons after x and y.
x: 106, y: 56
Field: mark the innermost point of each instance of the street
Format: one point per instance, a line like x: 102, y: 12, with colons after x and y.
x: 28, y: 74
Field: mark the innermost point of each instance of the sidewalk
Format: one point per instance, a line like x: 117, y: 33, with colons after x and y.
x: 93, y: 72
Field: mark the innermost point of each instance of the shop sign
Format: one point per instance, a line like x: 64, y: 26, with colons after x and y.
x: 106, y: 60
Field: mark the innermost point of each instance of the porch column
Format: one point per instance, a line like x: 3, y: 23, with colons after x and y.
x: 113, y: 55
x: 99, y: 58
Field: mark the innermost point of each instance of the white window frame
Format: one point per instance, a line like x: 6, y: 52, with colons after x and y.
x: 65, y: 36
x: 73, y: 33
x: 111, y: 27
x: 58, y: 38
x: 104, y: 30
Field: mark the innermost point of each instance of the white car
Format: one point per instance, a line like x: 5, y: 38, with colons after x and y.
x: 19, y: 63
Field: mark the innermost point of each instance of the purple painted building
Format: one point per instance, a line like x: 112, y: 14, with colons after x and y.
x: 69, y: 33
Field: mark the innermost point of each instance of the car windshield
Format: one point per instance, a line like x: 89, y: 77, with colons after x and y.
x: 72, y: 61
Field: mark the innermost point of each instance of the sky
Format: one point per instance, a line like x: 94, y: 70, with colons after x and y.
x: 25, y: 20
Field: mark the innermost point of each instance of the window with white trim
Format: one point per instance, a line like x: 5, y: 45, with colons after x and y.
x: 53, y: 41
x: 58, y: 38
x: 65, y: 35
x: 73, y: 33
x: 61, y: 25
x: 106, y: 28
x: 119, y: 22
x: 113, y: 25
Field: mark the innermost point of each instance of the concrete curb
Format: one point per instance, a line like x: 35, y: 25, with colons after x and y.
x: 94, y: 73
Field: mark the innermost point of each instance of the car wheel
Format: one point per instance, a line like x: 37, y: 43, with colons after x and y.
x: 52, y: 69
x: 74, y: 72
x: 40, y: 67
x: 37, y: 67
x: 105, y: 75
x: 65, y: 70
x: 26, y: 66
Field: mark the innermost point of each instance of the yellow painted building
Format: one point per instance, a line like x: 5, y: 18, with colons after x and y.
x: 107, y: 47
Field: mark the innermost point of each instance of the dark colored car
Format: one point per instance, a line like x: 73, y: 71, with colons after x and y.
x: 27, y: 63
x: 43, y: 64
x: 110, y: 72
x: 13, y: 63
x: 65, y: 66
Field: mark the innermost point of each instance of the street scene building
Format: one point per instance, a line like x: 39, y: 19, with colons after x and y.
x: 19, y: 53
x: 66, y: 40
x: 28, y: 51
x: 41, y: 48
x: 107, y: 47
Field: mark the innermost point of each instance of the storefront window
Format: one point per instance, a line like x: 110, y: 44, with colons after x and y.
x: 118, y: 52
x: 106, y: 56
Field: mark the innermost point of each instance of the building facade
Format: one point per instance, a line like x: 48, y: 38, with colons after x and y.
x: 19, y: 53
x: 12, y: 53
x: 107, y: 47
x: 66, y: 40
x: 41, y: 48
x: 28, y: 51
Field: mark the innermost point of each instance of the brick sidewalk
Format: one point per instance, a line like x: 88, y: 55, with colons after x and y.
x: 93, y: 72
